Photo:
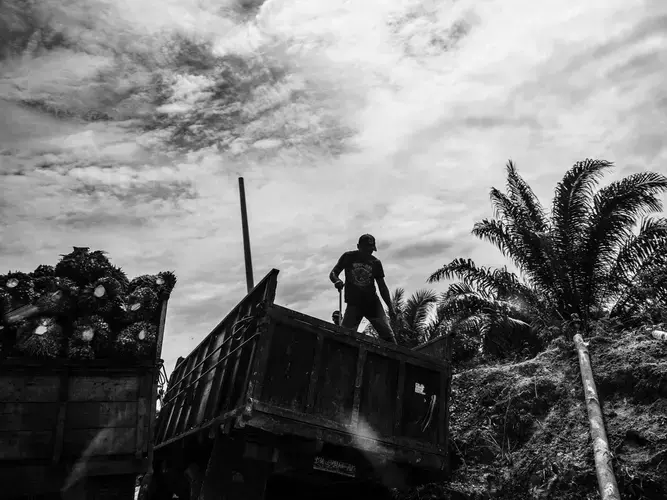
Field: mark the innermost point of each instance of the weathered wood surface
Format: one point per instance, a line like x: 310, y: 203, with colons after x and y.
x: 104, y: 388
x: 19, y: 445
x: 303, y: 376
x: 67, y: 414
x: 96, y: 442
x: 33, y: 388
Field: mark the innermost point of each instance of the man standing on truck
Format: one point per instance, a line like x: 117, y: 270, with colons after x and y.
x: 362, y: 270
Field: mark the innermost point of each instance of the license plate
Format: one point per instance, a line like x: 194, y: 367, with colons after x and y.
x: 334, y: 466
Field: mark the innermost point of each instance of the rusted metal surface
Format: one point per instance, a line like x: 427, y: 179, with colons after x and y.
x: 205, y: 385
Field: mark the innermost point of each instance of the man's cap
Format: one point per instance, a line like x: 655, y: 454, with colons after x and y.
x: 368, y: 239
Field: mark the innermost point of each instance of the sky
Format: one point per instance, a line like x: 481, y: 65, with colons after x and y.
x: 125, y: 124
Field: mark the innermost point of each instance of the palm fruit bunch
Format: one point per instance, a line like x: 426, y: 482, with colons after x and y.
x: 137, y: 340
x: 100, y: 297
x: 162, y: 283
x: 83, y: 307
x: 39, y: 337
x: 19, y: 286
x: 83, y: 266
x: 55, y: 295
x: 5, y: 303
x: 90, y: 338
x: 141, y: 305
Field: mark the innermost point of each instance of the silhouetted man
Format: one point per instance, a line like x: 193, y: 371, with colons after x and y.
x: 335, y: 317
x: 362, y: 270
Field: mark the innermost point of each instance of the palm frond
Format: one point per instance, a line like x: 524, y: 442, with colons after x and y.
x: 616, y: 209
x: 637, y: 250
x: 397, y: 299
x: 520, y: 192
x: 418, y: 307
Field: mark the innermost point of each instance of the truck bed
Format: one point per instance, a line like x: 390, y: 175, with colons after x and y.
x: 289, y: 374
x: 65, y: 420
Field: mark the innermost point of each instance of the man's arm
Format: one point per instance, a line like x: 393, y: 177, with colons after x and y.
x: 384, y: 293
x: 338, y: 268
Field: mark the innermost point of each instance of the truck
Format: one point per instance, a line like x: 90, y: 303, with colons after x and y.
x: 77, y: 428
x: 276, y: 404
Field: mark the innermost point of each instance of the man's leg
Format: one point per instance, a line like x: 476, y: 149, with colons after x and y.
x: 381, y: 324
x: 353, y: 316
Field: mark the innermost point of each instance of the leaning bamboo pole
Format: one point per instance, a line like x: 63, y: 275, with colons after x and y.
x: 603, y: 468
x: 659, y: 335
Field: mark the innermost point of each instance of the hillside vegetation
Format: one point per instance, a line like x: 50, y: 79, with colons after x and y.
x: 520, y: 430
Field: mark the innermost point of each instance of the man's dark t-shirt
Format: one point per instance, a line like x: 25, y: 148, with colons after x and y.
x: 360, y: 275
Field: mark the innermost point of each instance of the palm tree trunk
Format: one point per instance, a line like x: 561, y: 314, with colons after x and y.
x: 603, y: 468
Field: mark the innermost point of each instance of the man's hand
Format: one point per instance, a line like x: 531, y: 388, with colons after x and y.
x: 339, y: 285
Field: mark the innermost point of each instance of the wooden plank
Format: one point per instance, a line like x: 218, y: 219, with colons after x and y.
x: 359, y: 378
x: 334, y: 398
x: 28, y: 416
x: 33, y: 388
x: 298, y: 418
x: 103, y: 388
x: 395, y: 449
x: 25, y: 445
x: 212, y: 380
x: 258, y: 375
x: 215, y: 394
x: 378, y: 393
x: 95, y: 442
x: 314, y: 373
x: 181, y: 400
x: 193, y: 392
x: 400, y: 391
x: 160, y: 329
x: 246, y: 375
x: 62, y: 415
x: 392, y: 350
x: 370, y: 344
x: 234, y: 373
x: 288, y: 370
x: 23, y: 480
x: 141, y: 445
x: 101, y: 414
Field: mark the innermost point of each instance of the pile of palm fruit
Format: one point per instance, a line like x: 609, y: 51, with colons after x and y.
x: 82, y: 308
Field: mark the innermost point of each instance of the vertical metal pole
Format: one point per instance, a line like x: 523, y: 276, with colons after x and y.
x: 246, y: 238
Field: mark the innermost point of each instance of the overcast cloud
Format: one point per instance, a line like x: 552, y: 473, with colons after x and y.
x: 124, y: 125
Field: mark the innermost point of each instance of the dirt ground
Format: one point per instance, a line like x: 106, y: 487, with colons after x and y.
x: 520, y: 430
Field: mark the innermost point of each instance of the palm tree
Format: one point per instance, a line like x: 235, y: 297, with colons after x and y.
x: 488, y: 309
x: 582, y: 257
x: 410, y: 320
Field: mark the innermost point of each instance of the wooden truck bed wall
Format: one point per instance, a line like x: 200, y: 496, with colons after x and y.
x: 271, y: 369
x: 62, y: 421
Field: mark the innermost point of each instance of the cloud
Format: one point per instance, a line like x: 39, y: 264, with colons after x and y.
x: 124, y: 126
